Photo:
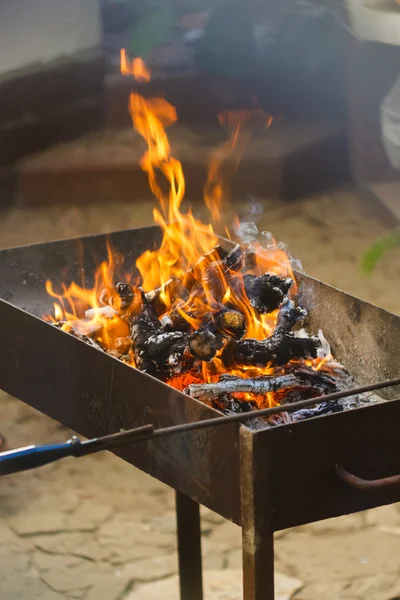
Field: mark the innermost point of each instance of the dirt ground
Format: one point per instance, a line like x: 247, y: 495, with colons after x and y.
x: 98, y: 529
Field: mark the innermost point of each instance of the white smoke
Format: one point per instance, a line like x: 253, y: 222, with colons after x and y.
x: 249, y: 213
x: 247, y: 232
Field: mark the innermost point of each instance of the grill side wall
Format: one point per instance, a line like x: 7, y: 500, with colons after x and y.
x: 365, y: 338
x: 303, y: 487
x: 94, y: 394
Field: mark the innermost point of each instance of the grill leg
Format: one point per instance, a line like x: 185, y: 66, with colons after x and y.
x: 189, y: 548
x: 257, y: 532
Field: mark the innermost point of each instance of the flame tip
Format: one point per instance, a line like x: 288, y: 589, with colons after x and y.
x: 187, y: 252
x: 136, y: 67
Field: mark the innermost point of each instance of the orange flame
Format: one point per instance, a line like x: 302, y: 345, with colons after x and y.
x: 187, y: 252
x: 233, y: 150
x: 137, y: 68
x: 102, y: 323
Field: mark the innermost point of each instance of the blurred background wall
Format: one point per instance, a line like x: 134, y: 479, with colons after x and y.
x: 39, y: 31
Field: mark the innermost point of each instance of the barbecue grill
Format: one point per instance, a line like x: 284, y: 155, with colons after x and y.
x: 263, y: 480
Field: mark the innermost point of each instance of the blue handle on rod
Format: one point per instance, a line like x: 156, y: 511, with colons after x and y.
x: 31, y: 457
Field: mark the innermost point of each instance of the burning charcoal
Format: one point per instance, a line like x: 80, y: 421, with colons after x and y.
x: 153, y: 345
x: 180, y: 288
x: 230, y: 406
x: 231, y: 323
x: 324, y: 408
x: 179, y: 358
x: 174, y: 322
x: 178, y: 320
x: 159, y: 350
x: 89, y: 341
x: 278, y: 349
x: 211, y: 270
x: 126, y: 294
x: 160, y: 343
x: 104, y: 297
x: 68, y: 329
x: 290, y: 315
x: 174, y: 362
x: 219, y: 252
x: 231, y: 384
x: 309, y: 383
x: 219, y: 270
x: 208, y: 269
x: 80, y: 328
x: 153, y: 355
x: 266, y: 293
x: 179, y: 291
x: 203, y: 343
x: 216, y: 255
x: 316, y: 380
x: 239, y: 406
x: 234, y: 260
x: 301, y: 384
x: 174, y: 288
x: 145, y: 324
x: 167, y: 323
x: 153, y: 295
x: 122, y: 346
x: 249, y: 261
x: 104, y: 311
x: 89, y: 329
x: 213, y: 279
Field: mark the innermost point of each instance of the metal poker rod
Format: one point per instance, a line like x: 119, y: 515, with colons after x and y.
x: 31, y: 457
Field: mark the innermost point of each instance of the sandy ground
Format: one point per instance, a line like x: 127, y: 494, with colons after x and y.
x: 100, y: 529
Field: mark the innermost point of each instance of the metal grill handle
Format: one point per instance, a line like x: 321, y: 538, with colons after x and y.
x: 366, y: 484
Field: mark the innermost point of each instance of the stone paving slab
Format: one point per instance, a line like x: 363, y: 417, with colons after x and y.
x: 378, y: 587
x: 18, y: 581
x: 125, y: 526
x: 152, y: 568
x: 74, y: 544
x: 361, y: 553
x: 109, y: 588
x: 218, y: 585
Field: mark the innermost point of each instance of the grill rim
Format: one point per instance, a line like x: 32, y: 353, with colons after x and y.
x: 210, y: 485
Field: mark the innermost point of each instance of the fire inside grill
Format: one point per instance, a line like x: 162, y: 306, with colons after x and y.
x: 223, y: 325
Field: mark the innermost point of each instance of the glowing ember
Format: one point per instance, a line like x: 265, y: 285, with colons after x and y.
x: 201, y: 312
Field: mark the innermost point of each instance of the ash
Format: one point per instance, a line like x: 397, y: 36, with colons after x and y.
x: 344, y: 381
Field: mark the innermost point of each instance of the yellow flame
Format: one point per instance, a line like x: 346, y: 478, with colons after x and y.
x: 74, y: 300
x: 137, y: 67
x: 237, y: 122
x: 187, y: 251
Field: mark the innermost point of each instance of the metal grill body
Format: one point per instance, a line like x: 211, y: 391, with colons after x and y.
x: 262, y: 480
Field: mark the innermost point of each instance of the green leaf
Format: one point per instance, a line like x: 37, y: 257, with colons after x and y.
x: 152, y: 30
x: 378, y: 249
